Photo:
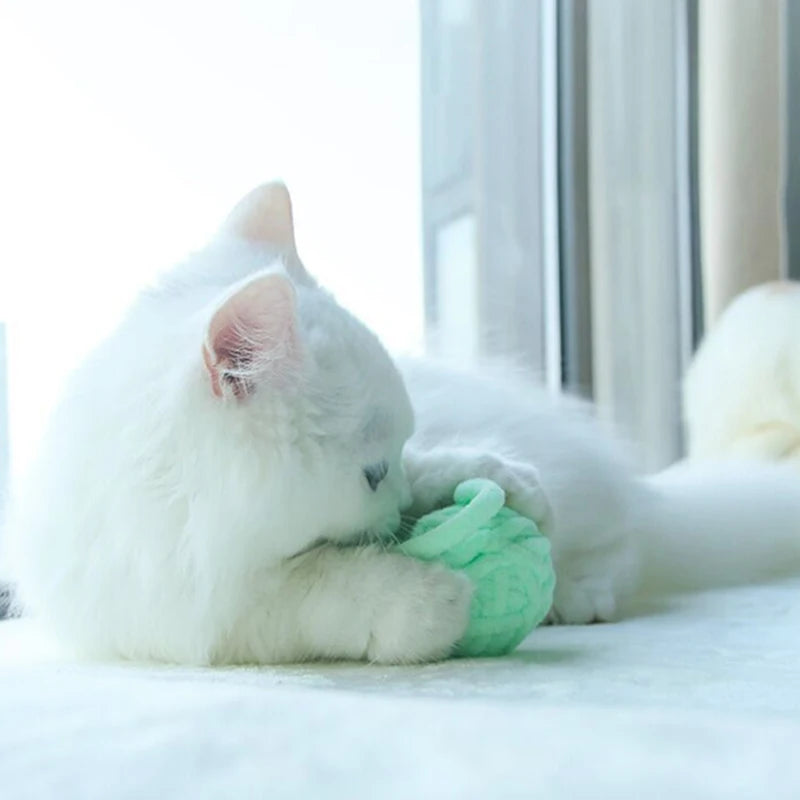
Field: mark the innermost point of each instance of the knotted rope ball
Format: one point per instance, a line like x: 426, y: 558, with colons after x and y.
x: 501, y: 552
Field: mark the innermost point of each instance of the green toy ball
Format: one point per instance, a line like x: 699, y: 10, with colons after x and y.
x: 501, y: 552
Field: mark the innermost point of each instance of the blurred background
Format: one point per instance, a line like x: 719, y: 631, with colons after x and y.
x: 579, y: 185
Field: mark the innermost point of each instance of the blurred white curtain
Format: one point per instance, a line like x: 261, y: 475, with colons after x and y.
x: 639, y: 218
x: 740, y: 116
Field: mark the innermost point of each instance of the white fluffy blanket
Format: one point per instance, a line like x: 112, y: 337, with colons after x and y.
x: 700, y: 699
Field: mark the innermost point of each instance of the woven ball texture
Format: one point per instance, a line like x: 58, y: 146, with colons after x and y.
x: 503, y: 554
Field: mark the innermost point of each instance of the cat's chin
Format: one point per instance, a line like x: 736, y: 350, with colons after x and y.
x: 385, y: 532
x: 390, y: 531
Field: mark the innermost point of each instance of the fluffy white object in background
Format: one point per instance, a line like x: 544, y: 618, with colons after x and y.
x: 742, y: 391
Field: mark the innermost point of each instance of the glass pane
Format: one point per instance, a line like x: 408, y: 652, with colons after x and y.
x: 457, y: 335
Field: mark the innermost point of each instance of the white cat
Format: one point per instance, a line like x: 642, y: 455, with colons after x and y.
x: 742, y: 392
x: 211, y: 480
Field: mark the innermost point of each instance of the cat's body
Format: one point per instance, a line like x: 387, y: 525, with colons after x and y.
x: 742, y: 392
x: 615, y: 535
x: 556, y: 463
x: 207, y: 483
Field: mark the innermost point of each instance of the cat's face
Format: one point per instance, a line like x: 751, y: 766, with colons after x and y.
x: 319, y: 400
x: 362, y: 416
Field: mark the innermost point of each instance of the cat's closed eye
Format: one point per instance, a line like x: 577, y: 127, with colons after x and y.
x: 375, y: 473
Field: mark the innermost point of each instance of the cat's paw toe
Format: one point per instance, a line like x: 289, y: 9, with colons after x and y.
x: 520, y: 482
x: 583, y: 601
x: 524, y: 493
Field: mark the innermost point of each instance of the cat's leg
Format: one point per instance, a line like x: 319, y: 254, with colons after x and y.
x: 595, y: 552
x: 434, y: 474
x: 595, y: 562
x: 356, y: 604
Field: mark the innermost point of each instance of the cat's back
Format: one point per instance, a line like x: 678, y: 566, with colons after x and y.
x: 499, y: 409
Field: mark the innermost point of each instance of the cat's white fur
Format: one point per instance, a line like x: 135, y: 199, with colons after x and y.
x: 614, y: 535
x: 166, y: 522
x: 742, y: 392
x: 201, y: 496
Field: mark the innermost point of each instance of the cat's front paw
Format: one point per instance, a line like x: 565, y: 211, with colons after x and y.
x: 423, y: 615
x: 434, y: 475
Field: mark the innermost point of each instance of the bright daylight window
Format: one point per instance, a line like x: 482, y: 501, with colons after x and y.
x: 130, y: 145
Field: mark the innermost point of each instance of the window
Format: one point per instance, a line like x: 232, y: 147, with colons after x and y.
x: 489, y: 109
x: 128, y: 134
x: 617, y: 166
x: 574, y: 192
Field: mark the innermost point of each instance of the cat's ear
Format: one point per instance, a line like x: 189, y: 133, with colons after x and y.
x: 264, y: 216
x: 252, y: 338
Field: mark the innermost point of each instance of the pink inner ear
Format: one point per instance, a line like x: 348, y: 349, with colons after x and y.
x: 252, y: 337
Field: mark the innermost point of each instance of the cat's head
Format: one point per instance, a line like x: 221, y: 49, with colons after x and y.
x: 312, y: 408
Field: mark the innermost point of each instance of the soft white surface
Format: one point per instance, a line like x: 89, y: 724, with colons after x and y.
x: 698, y: 699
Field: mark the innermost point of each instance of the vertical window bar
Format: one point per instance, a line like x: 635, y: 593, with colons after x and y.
x: 549, y: 195
x: 791, y: 134
x: 573, y: 198
x: 698, y: 314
